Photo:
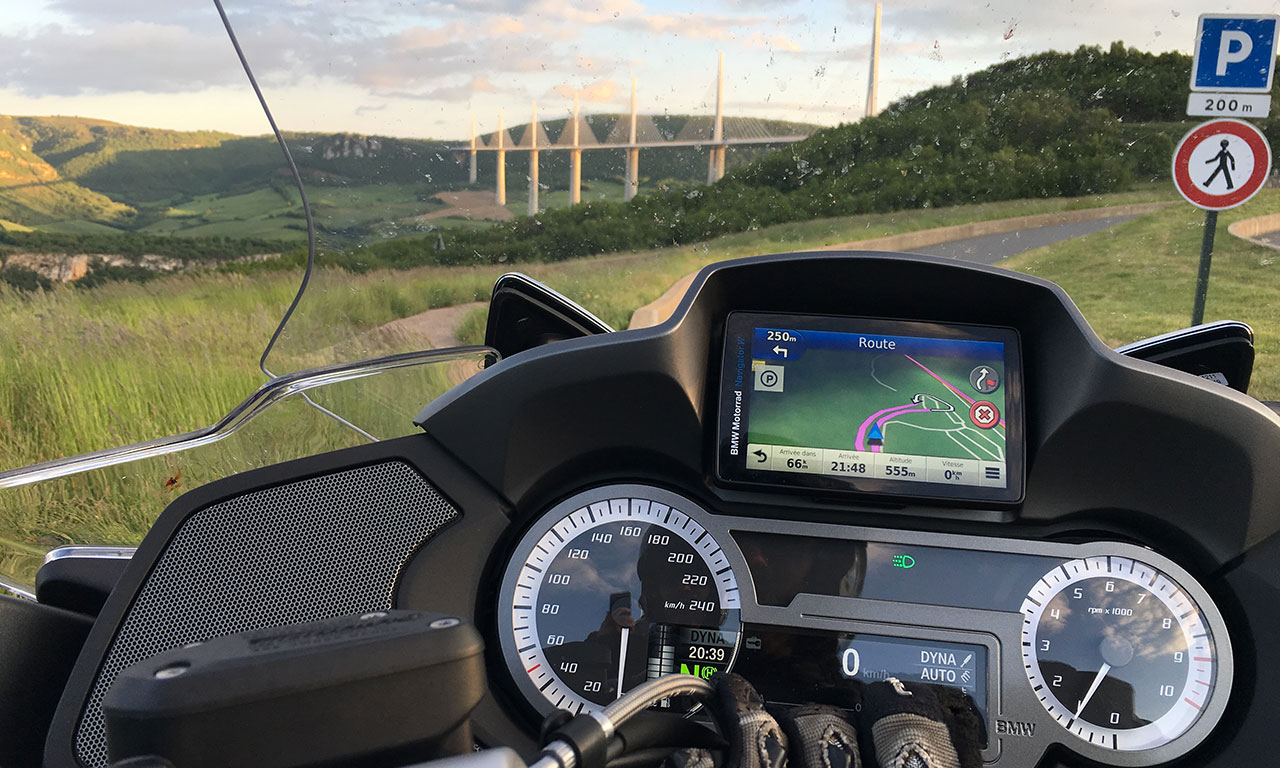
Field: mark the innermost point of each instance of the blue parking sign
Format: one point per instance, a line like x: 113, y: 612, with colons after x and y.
x: 1235, y: 53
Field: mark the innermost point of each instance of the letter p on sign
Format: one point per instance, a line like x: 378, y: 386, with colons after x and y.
x: 1234, y: 47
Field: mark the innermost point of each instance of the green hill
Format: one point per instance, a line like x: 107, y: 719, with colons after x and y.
x: 76, y: 146
x: 33, y: 191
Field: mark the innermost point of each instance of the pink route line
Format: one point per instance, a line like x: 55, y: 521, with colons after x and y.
x: 883, y: 419
x: 946, y: 384
x: 862, y: 430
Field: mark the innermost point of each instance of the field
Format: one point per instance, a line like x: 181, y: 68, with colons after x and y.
x: 344, y: 214
x: 518, y: 194
x: 89, y: 369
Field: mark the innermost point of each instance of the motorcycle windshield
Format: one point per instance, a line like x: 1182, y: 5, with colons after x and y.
x: 159, y: 266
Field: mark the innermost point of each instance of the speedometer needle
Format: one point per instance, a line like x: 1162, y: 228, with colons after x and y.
x: 622, y: 658
x: 1092, y: 689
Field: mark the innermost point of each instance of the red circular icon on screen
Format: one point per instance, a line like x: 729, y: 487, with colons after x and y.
x: 985, y: 414
x: 1211, y: 153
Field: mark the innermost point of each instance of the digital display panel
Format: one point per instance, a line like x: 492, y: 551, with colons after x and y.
x: 797, y: 667
x: 879, y: 406
x: 783, y: 567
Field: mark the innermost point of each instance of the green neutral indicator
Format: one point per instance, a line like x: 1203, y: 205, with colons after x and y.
x: 903, y: 561
x: 698, y: 670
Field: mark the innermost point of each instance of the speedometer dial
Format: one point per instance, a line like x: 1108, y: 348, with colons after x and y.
x: 1118, y: 653
x: 614, y: 592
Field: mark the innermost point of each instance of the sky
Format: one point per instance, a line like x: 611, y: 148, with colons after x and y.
x: 422, y: 69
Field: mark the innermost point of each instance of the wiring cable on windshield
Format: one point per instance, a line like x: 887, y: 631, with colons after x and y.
x: 306, y: 209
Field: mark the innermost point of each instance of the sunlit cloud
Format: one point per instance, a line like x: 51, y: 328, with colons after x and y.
x: 421, y: 68
x: 599, y: 91
x: 758, y: 40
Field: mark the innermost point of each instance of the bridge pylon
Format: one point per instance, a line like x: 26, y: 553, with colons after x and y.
x: 632, y: 184
x: 715, y: 162
x: 575, y: 159
x: 501, y: 195
x: 873, y: 74
x: 473, y: 175
x: 533, y: 162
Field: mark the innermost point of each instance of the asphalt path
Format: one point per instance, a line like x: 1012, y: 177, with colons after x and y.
x: 990, y: 249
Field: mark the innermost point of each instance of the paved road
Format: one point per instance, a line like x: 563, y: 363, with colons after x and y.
x: 990, y: 249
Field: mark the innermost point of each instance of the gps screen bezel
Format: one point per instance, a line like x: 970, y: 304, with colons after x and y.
x: 731, y: 470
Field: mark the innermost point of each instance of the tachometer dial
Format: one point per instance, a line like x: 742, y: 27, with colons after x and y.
x: 1118, y: 653
x: 612, y: 593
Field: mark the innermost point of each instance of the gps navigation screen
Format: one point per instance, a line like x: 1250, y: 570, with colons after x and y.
x: 872, y: 405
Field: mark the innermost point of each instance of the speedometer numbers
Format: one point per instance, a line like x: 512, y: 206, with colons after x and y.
x: 614, y: 593
x: 1118, y: 653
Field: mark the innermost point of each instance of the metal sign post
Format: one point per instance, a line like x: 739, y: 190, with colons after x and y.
x: 1206, y: 256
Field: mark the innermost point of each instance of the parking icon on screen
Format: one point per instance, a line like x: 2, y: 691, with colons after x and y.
x: 769, y: 378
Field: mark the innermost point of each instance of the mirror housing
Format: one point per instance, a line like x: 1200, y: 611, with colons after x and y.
x: 1221, y: 351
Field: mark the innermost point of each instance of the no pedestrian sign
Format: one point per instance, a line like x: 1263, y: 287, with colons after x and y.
x: 1221, y: 163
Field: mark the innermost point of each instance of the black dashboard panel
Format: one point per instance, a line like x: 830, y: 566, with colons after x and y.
x: 1134, y: 473
x: 1110, y: 442
x: 1113, y: 444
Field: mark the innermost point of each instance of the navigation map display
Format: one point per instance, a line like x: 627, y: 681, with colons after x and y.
x: 919, y: 409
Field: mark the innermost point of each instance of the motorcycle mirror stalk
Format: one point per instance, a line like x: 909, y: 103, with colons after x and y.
x: 524, y: 313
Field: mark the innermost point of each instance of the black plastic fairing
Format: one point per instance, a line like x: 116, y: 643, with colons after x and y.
x: 417, y: 451
x: 1112, y: 442
x: 40, y: 645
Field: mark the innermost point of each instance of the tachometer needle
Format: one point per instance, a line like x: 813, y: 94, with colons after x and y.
x: 622, y: 658
x: 1092, y: 689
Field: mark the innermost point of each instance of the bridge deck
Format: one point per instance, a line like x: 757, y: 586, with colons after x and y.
x: 639, y: 145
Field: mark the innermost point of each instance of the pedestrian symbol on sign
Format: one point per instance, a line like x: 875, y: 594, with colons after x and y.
x: 1221, y: 159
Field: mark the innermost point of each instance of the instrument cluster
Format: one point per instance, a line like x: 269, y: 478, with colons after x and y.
x: 1105, y: 648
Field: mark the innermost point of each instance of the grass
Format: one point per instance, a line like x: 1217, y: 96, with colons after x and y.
x: 78, y: 227
x: 1138, y: 279
x: 260, y: 213
x: 91, y: 369
x: 13, y: 226
x: 518, y: 194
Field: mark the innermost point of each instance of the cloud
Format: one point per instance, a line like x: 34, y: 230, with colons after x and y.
x: 461, y: 92
x: 598, y: 91
x: 776, y: 42
x: 503, y: 25
x: 456, y: 54
x: 418, y: 38
x: 134, y: 56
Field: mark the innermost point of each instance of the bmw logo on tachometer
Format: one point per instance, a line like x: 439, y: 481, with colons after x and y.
x: 609, y: 591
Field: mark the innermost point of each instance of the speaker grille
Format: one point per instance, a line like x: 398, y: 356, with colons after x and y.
x: 308, y: 550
